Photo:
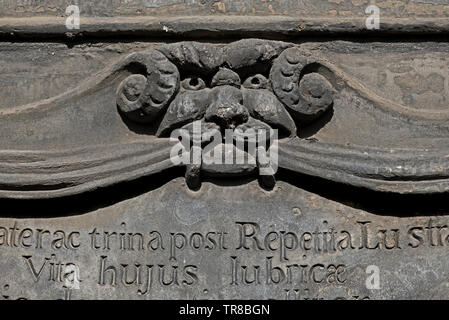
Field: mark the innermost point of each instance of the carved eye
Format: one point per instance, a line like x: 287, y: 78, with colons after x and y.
x: 193, y: 83
x: 257, y: 81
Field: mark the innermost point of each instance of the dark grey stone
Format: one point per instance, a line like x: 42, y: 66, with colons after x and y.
x: 94, y: 207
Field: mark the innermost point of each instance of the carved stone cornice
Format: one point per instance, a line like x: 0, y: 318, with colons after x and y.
x: 224, y: 26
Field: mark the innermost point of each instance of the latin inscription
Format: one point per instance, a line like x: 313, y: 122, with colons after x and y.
x: 145, y: 261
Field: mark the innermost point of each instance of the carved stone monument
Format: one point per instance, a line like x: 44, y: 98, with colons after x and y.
x: 224, y: 150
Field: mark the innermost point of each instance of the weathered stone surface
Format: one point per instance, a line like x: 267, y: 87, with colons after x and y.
x: 321, y: 8
x: 93, y: 206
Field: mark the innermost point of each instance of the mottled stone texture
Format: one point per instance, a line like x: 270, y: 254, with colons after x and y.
x: 93, y: 207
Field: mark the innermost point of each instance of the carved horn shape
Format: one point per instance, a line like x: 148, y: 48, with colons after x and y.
x: 306, y: 94
x: 142, y: 97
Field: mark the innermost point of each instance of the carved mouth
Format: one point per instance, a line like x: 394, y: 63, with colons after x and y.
x: 227, y: 153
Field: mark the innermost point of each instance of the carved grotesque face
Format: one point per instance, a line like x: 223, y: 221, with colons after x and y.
x: 258, y: 86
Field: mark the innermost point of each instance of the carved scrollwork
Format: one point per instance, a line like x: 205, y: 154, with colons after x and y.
x: 285, y: 97
x: 142, y: 97
x: 306, y: 93
x: 221, y: 88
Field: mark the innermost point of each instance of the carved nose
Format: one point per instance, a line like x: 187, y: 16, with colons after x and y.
x: 226, y: 108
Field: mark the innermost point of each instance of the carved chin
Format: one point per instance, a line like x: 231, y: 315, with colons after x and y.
x: 227, y: 153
